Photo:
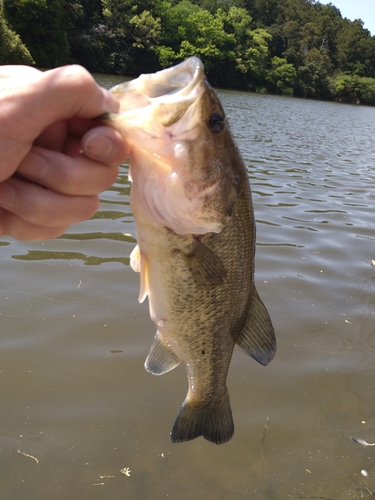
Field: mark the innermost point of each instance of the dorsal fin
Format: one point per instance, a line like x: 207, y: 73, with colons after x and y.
x: 257, y: 338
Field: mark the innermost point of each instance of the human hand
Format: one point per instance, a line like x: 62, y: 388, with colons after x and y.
x: 54, y: 158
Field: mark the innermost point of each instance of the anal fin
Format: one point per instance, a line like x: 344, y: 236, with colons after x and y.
x: 257, y: 337
x: 161, y: 359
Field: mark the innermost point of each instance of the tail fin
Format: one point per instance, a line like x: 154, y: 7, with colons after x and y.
x: 214, y: 422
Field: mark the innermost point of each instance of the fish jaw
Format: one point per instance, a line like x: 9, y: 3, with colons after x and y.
x: 157, y: 108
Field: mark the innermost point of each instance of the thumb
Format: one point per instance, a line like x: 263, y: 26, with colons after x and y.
x: 42, y: 99
x: 74, y: 92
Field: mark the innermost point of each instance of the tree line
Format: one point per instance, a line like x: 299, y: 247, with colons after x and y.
x: 293, y: 47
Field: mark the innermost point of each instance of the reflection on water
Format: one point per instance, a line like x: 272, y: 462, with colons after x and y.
x: 77, y: 406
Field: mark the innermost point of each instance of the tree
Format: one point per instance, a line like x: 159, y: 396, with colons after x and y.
x: 125, y: 37
x: 251, y: 46
x: 207, y: 39
x: 282, y: 46
x: 292, y: 53
x: 282, y: 76
x: 234, y: 55
x: 146, y: 31
x: 313, y: 75
x: 355, y: 49
x: 175, y: 28
x: 12, y: 50
x: 264, y: 12
x: 42, y: 27
x: 201, y: 34
x: 353, y: 88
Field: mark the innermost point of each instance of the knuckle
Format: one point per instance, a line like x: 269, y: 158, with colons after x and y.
x: 112, y: 175
x: 74, y: 85
x: 75, y: 76
x: 92, y: 206
x: 67, y: 181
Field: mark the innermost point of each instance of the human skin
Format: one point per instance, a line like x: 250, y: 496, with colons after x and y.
x: 55, y: 158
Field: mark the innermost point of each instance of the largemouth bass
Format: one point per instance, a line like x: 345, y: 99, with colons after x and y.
x: 192, y: 206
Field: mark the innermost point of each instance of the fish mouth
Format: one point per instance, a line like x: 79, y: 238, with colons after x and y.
x: 180, y: 79
x: 168, y: 95
x: 169, y: 85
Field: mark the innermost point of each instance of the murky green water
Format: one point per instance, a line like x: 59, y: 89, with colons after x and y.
x: 76, y: 405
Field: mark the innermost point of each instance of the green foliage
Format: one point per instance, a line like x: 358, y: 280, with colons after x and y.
x: 126, y: 37
x: 41, y: 25
x: 355, y: 52
x: 173, y: 18
x: 264, y: 12
x: 313, y: 75
x: 233, y: 54
x: 353, y: 88
x: 207, y: 39
x: 146, y: 30
x: 12, y: 50
x: 166, y: 56
x: 299, y: 47
x: 282, y: 76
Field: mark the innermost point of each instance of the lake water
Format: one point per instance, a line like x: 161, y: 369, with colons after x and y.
x: 77, y: 407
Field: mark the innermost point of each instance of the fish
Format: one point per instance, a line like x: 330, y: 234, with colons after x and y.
x: 191, y: 201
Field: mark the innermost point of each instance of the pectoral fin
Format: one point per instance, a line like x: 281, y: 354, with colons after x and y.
x: 135, y: 259
x: 207, y: 268
x: 257, y: 338
x: 144, y: 287
x: 161, y: 359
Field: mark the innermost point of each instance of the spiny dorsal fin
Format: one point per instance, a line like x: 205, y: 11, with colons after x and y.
x: 207, y: 268
x: 257, y: 338
x: 161, y: 359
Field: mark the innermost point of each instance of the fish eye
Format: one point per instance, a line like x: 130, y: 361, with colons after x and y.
x: 216, y: 123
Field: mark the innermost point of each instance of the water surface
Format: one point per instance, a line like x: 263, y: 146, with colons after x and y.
x: 77, y: 406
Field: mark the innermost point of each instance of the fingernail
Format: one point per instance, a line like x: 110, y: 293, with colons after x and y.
x: 7, y: 195
x: 98, y: 146
x: 111, y: 104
